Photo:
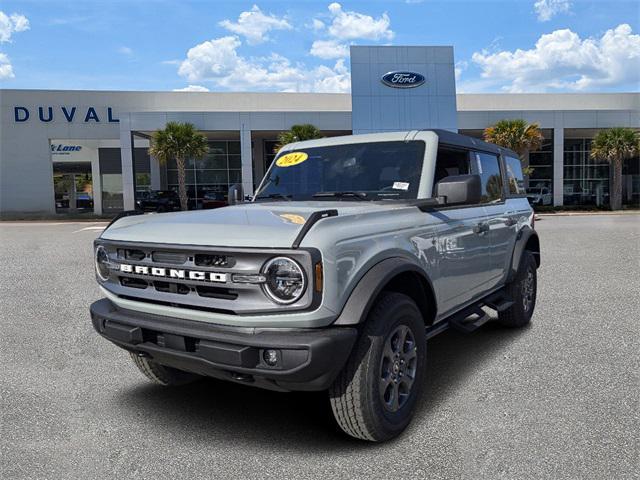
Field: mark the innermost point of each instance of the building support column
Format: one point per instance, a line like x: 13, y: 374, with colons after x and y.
x: 154, y: 168
x: 96, y: 181
x: 126, y: 156
x: 558, y: 166
x: 246, y: 158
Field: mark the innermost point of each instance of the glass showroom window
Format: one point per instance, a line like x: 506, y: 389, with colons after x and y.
x: 214, y: 173
x: 586, y: 181
x: 541, y: 161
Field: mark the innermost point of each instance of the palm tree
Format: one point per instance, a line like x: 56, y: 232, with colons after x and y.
x: 298, y: 133
x: 517, y: 135
x: 178, y: 141
x: 616, y: 145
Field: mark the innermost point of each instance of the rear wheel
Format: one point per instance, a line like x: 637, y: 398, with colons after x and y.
x: 374, y: 397
x: 161, y: 374
x: 523, y: 291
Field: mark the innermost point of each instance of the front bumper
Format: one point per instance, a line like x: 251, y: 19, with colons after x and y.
x: 308, y: 359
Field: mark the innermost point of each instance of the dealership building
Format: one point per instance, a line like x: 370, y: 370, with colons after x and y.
x: 69, y: 151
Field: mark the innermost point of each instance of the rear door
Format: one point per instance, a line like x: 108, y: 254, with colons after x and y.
x: 500, y: 219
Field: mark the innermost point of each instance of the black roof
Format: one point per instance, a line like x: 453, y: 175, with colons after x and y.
x: 456, y: 139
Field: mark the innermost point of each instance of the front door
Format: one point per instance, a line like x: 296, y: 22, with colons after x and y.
x: 463, y: 252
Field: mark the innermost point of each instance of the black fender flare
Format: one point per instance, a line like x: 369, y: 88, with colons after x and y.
x: 363, y: 296
x: 526, y: 239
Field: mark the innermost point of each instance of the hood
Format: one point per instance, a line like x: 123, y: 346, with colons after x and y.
x: 247, y: 225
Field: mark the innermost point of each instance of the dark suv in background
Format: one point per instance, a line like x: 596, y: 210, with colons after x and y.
x: 158, y: 201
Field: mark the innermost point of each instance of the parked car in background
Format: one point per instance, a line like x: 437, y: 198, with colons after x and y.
x: 212, y: 199
x: 83, y: 200
x: 539, y: 196
x: 158, y: 201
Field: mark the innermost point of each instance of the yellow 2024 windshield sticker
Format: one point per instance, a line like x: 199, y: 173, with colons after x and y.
x: 291, y: 159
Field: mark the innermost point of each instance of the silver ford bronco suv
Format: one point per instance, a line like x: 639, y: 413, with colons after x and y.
x: 352, y: 253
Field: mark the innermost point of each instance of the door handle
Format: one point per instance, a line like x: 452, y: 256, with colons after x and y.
x: 481, y: 228
x: 509, y: 221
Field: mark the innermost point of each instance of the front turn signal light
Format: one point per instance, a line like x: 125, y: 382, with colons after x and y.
x: 318, y: 277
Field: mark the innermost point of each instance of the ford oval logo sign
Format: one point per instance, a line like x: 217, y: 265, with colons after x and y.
x: 403, y: 79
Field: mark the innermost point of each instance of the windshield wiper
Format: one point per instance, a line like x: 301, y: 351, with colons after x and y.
x: 358, y: 195
x: 275, y: 195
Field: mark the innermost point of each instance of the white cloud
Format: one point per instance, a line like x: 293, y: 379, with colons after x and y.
x: 547, y: 9
x: 254, y: 25
x: 218, y: 61
x: 460, y: 67
x: 10, y: 24
x: 561, y: 60
x: 331, y: 80
x: 125, y: 51
x: 329, y: 49
x: 192, y: 88
x: 346, y: 25
x: 6, y: 70
x: 317, y: 25
x: 211, y: 59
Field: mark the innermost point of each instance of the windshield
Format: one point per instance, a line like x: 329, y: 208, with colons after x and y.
x: 361, y: 171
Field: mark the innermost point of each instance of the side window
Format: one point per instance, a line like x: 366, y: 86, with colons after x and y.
x: 515, y: 179
x: 450, y: 162
x: 486, y: 165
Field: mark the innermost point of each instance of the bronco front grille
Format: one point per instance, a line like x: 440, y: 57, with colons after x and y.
x: 196, y: 277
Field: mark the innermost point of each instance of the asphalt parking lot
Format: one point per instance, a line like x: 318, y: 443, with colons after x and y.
x: 560, y: 399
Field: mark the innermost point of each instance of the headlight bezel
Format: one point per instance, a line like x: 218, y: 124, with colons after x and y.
x: 271, y: 295
x: 99, y: 250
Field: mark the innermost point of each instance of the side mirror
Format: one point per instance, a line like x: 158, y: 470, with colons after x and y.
x: 459, y: 189
x: 236, y: 194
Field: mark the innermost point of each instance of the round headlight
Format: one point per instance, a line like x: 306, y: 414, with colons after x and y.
x: 102, y: 263
x: 285, y: 281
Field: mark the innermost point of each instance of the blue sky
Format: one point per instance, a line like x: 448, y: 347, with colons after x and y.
x: 500, y: 46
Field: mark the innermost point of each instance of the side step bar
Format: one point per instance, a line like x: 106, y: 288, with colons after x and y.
x: 498, y: 301
x: 472, y: 317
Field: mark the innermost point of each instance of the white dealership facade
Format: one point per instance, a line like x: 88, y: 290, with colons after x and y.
x: 64, y: 151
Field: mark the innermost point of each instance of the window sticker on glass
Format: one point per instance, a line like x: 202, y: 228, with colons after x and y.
x: 400, y: 186
x: 291, y: 159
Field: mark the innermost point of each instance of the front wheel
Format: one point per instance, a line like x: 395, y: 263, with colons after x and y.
x: 375, y: 395
x: 523, y: 290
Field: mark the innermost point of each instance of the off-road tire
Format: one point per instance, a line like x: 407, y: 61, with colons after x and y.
x: 523, y: 291
x: 161, y: 375
x: 356, y: 396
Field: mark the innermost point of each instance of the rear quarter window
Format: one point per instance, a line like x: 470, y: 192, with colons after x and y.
x: 515, y: 179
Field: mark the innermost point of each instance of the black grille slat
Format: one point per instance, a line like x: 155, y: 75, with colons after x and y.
x: 133, y: 282
x: 173, y: 258
x: 130, y: 254
x: 216, y: 292
x: 211, y: 260
x: 171, y: 287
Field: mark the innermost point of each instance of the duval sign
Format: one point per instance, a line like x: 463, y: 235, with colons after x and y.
x: 403, y: 79
x: 69, y: 114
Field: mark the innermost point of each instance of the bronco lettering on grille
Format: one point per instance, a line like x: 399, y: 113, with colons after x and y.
x: 174, y: 273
